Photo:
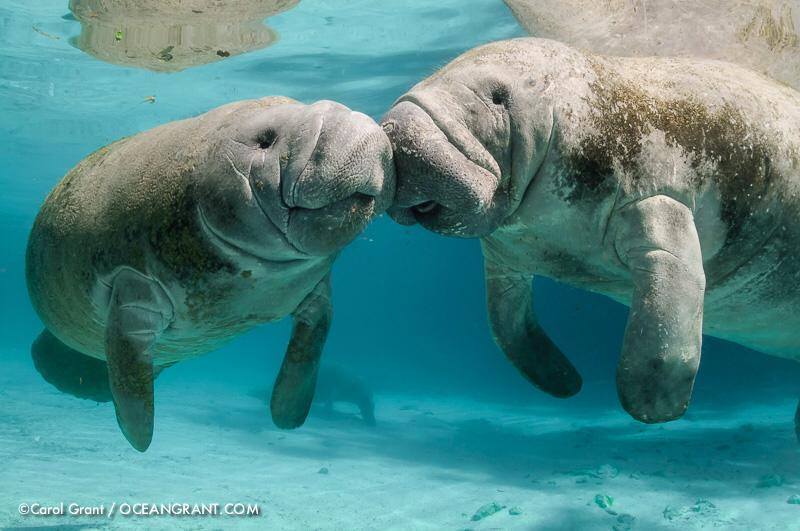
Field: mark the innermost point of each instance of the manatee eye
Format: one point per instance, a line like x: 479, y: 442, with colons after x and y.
x: 266, y: 139
x: 500, y: 95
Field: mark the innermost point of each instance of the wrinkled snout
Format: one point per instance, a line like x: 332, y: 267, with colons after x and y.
x: 345, y: 181
x: 437, y: 184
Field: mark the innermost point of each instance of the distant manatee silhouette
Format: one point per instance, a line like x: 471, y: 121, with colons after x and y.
x: 334, y: 385
x: 337, y: 385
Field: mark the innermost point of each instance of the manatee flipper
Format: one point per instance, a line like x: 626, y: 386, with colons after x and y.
x: 139, y: 310
x: 68, y: 370
x: 516, y: 331
x: 658, y: 242
x: 294, y: 388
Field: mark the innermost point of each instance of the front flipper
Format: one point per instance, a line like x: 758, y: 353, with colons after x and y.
x: 68, y: 370
x: 657, y: 240
x: 294, y: 387
x: 139, y: 310
x: 510, y: 301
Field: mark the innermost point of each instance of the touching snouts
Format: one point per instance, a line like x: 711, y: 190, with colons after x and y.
x: 348, y: 179
x: 437, y: 182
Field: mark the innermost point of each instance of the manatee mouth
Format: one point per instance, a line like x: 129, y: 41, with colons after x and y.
x: 466, y: 144
x: 219, y: 240
x: 426, y: 207
x: 446, y: 179
x: 332, y: 202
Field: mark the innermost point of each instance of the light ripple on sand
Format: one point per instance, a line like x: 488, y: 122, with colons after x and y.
x: 430, y: 463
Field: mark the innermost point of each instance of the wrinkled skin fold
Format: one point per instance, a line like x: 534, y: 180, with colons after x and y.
x: 165, y: 245
x: 669, y: 185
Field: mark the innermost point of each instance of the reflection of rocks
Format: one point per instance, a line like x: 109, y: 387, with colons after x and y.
x: 170, y: 35
x: 760, y: 34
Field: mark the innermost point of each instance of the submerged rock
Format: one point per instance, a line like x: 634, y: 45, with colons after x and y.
x: 794, y: 499
x: 323, y: 470
x: 701, y: 508
x: 670, y: 512
x: 603, y: 501
x: 516, y: 511
x: 487, y: 510
x: 605, y: 472
x: 625, y: 522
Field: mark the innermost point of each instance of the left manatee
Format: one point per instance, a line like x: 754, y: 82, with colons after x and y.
x: 165, y: 245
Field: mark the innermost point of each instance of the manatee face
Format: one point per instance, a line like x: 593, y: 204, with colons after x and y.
x: 293, y: 181
x: 467, y: 142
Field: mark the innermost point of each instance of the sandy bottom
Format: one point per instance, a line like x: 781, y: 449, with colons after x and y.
x: 429, y: 464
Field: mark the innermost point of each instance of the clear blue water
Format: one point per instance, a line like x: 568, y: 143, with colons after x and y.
x: 457, y: 426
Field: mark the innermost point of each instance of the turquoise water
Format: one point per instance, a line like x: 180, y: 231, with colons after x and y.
x: 457, y: 428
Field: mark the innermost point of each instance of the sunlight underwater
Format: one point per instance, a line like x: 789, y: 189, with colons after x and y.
x: 460, y: 440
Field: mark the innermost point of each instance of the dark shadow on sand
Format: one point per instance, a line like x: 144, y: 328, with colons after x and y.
x: 718, y: 462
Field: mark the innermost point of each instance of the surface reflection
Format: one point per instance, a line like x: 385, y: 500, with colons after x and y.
x: 171, y: 35
x: 759, y: 34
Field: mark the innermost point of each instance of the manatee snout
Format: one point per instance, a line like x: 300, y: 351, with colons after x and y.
x: 320, y: 173
x: 348, y: 179
x: 439, y: 183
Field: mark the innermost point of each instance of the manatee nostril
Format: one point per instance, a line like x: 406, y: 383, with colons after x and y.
x: 500, y: 95
x: 266, y: 139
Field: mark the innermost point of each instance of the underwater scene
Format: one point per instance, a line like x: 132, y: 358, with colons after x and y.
x: 408, y: 264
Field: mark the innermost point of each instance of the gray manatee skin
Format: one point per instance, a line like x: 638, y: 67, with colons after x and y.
x: 669, y: 185
x: 167, y: 244
x: 759, y: 34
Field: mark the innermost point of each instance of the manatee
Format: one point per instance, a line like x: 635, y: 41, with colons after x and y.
x: 167, y: 244
x: 171, y: 35
x: 670, y: 185
x: 335, y: 384
x: 759, y: 34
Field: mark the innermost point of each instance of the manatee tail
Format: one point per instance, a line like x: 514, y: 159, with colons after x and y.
x: 68, y: 370
x: 71, y: 372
